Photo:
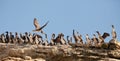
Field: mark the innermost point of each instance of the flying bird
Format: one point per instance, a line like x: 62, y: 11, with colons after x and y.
x: 38, y: 27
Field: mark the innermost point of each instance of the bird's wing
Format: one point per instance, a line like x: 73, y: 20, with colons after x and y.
x: 36, y: 24
x: 43, y: 25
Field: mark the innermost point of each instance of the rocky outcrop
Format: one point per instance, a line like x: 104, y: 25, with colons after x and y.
x: 55, y: 53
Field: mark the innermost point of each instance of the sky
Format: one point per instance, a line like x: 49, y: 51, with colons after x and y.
x: 85, y: 16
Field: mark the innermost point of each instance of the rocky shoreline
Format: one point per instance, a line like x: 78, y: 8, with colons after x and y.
x: 11, y: 52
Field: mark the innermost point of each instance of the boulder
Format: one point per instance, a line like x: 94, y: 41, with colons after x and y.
x: 114, y: 54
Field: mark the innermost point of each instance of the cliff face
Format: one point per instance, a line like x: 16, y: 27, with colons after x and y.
x: 55, y: 53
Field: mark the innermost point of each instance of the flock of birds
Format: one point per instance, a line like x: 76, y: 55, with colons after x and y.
x: 37, y: 39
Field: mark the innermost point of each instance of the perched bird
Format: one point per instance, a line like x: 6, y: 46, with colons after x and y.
x: 31, y: 38
x: 69, y: 40
x: 26, y: 38
x: 52, y: 40
x: 7, y: 37
x: 3, y: 38
x: 46, y: 40
x: 88, y: 40
x: 81, y: 40
x: 102, y: 37
x: 58, y: 40
x: 16, y: 38
x: 114, y: 34
x: 11, y: 37
x: 63, y: 41
x: 77, y: 37
x: 36, y: 40
x: 37, y: 26
x: 95, y: 40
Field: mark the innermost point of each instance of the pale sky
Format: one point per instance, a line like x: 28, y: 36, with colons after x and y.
x: 85, y: 16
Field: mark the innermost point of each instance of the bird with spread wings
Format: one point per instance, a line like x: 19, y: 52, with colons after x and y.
x: 37, y: 26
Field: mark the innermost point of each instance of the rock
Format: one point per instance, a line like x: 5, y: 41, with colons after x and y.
x: 27, y: 58
x: 15, y: 52
x: 114, y: 44
x: 114, y: 54
x: 104, y: 45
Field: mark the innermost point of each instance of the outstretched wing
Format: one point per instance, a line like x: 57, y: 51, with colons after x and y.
x: 36, y: 24
x: 43, y: 25
x: 105, y: 35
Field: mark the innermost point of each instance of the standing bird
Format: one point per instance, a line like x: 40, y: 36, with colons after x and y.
x: 69, y: 40
x: 114, y: 34
x: 52, y: 40
x: 37, y: 26
x: 101, y: 38
x: 7, y: 37
x: 63, y: 41
x: 88, y: 40
x: 77, y: 37
x: 95, y: 40
x: 31, y: 38
x: 46, y: 40
x: 11, y: 37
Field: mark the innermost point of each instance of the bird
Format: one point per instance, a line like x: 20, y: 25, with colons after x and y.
x: 63, y: 41
x: 57, y: 40
x: 3, y: 38
x: 39, y: 28
x: 26, y: 41
x: 11, y: 37
x: 7, y: 37
x: 52, y: 40
x: 31, y: 38
x: 16, y: 38
x: 69, y: 40
x: 46, y: 40
x: 77, y: 37
x: 81, y: 40
x: 100, y: 38
x: 114, y: 34
x: 88, y: 40
x: 95, y: 40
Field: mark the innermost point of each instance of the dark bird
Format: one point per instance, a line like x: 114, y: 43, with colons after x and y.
x: 57, y: 40
x: 7, y: 37
x: 46, y: 40
x: 114, y: 34
x: 52, y: 40
x: 11, y: 37
x: 69, y: 40
x: 102, y: 38
x: 37, y: 26
x: 16, y: 38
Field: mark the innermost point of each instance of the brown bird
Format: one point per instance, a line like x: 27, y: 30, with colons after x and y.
x: 95, y: 40
x: 88, y: 40
x: 37, y: 26
x: 102, y: 38
x: 114, y: 34
x: 63, y: 41
x: 77, y: 37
